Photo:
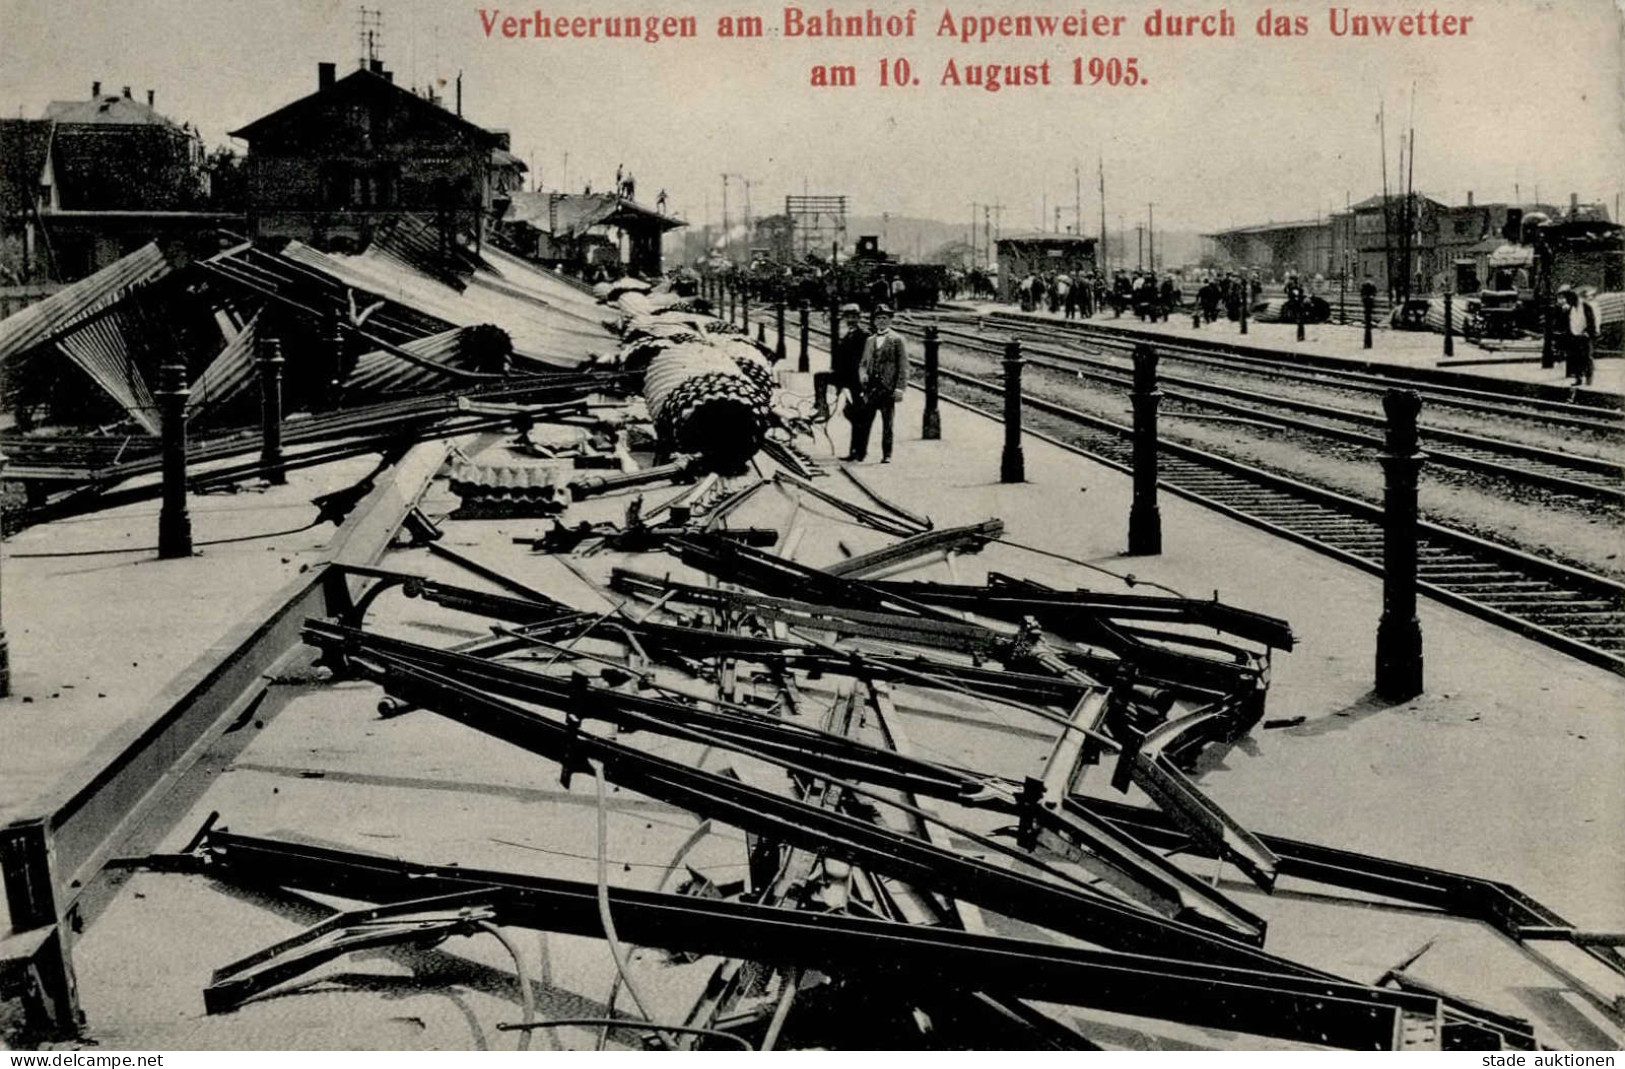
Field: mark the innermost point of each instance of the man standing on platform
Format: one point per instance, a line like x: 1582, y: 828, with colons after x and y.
x: 883, y: 373
x: 843, y: 362
x: 1579, y: 326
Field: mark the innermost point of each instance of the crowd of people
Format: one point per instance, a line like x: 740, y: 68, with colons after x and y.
x: 1146, y: 294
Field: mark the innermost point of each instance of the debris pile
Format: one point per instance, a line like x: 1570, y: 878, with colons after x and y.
x: 894, y: 894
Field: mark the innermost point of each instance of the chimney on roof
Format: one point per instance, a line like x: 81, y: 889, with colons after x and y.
x: 389, y: 76
x: 1469, y: 198
x: 376, y: 66
x: 95, y: 90
x: 326, y: 73
x: 126, y: 92
x: 150, y: 95
x: 1574, y: 204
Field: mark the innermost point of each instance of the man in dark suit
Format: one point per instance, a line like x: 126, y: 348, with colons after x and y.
x: 843, y: 362
x: 883, y: 375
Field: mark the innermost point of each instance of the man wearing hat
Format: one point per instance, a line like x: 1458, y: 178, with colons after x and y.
x: 843, y: 362
x: 883, y: 374
x: 1578, y: 327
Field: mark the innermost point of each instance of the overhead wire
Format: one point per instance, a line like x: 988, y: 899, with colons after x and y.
x: 62, y: 554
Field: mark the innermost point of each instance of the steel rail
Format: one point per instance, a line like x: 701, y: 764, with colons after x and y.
x: 1553, y: 469
x: 1556, y: 399
x: 1601, y: 420
x: 1455, y: 557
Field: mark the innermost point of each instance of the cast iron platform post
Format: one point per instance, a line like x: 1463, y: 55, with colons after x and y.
x: 1013, y: 465
x: 270, y: 361
x: 1399, y: 633
x: 1144, y: 517
x: 174, y: 523
x: 931, y: 424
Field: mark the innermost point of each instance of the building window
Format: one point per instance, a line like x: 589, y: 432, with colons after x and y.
x: 350, y: 186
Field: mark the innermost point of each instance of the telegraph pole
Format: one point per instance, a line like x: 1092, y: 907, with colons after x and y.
x: 1151, y: 233
x: 1104, y: 259
x: 1077, y: 202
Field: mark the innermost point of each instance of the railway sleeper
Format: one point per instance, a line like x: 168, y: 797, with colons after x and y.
x: 1348, y: 531
x: 1277, y: 507
x: 1529, y: 603
x: 1495, y: 584
x: 1596, y: 631
x: 1325, y: 520
x: 1448, y: 569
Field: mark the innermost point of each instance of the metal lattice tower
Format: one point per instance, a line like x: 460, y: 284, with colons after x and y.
x: 370, y: 35
x: 816, y: 220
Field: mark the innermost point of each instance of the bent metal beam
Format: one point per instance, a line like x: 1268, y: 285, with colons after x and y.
x: 130, y: 791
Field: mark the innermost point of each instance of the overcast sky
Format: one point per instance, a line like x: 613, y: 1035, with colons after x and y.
x: 1226, y: 132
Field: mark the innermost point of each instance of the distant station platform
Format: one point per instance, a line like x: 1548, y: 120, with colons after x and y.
x: 1402, y: 348
x: 1505, y: 768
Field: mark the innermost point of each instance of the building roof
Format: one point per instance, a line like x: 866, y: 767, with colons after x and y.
x: 1265, y: 228
x: 501, y: 157
x: 108, y: 108
x: 358, y: 85
x: 1375, y: 201
x: 573, y: 214
x: 1037, y: 237
x: 24, y: 145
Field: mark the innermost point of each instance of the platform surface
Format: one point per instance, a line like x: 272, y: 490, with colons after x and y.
x: 1506, y: 768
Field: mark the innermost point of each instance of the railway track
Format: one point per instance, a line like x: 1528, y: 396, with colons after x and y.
x: 1516, y: 401
x: 1556, y: 470
x: 1563, y: 607
x: 1567, y: 608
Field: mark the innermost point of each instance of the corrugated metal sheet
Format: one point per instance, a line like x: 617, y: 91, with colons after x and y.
x: 418, y: 244
x: 539, y: 333
x: 516, y: 491
x: 228, y: 374
x: 40, y: 323
x: 305, y: 280
x: 101, y: 349
x: 1610, y: 308
x: 542, y: 284
x: 386, y: 372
